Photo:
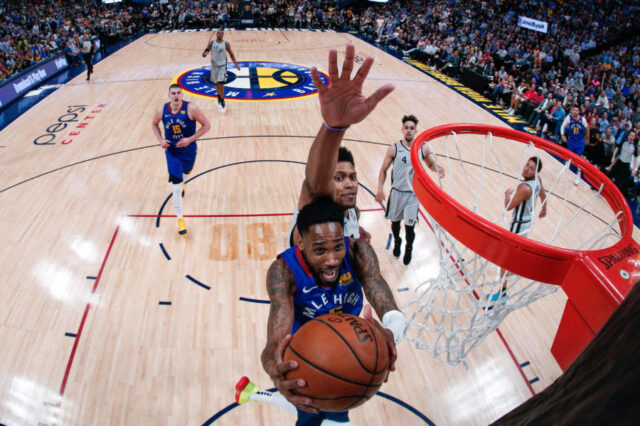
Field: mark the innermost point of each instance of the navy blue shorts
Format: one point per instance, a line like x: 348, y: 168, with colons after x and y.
x: 310, y: 419
x: 576, y: 146
x: 180, y: 161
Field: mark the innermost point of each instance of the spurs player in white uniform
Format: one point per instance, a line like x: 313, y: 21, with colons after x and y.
x: 403, y: 202
x: 219, y: 49
x: 523, y: 204
x: 346, y: 184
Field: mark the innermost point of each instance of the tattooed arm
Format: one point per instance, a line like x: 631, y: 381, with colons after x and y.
x: 375, y: 289
x: 281, y: 287
x: 374, y: 285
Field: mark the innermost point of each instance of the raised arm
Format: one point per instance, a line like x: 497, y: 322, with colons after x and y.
x: 430, y: 160
x: 523, y: 192
x: 543, y: 202
x: 208, y: 48
x: 281, y: 289
x: 341, y: 104
x: 382, y: 176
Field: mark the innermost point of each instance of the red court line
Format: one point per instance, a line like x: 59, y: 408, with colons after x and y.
x: 84, y: 316
x: 524, y: 376
x: 226, y: 215
x: 504, y: 341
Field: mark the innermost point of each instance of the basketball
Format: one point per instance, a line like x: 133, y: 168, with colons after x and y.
x: 343, y: 359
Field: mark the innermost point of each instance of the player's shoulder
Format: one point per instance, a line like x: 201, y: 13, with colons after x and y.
x: 279, y: 272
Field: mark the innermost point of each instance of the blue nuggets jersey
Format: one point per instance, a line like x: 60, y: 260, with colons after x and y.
x: 575, y: 129
x: 177, y: 126
x: 311, y: 300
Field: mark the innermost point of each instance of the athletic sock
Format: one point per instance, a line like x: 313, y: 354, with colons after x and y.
x: 274, y: 398
x: 177, y: 199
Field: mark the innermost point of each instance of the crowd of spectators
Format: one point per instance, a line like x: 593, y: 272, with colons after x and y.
x: 590, y: 55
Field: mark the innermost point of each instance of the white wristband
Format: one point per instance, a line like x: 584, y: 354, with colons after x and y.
x: 395, y: 321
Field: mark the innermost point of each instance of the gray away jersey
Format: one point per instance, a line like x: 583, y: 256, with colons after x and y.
x: 218, y: 53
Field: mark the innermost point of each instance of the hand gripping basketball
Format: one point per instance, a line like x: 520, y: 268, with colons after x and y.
x: 391, y: 345
x: 286, y: 387
x: 343, y: 360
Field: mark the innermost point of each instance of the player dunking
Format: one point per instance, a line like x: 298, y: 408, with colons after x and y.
x: 219, y: 49
x: 523, y: 204
x: 303, y: 284
x: 323, y: 247
x: 179, y: 142
x: 403, y: 202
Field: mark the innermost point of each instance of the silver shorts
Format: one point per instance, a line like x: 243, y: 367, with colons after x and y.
x: 219, y: 74
x: 402, y: 206
x: 523, y: 228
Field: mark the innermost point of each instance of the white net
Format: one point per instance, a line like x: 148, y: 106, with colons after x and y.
x: 470, y: 296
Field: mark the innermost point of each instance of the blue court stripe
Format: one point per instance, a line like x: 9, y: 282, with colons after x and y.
x: 389, y: 242
x: 164, y: 303
x: 524, y: 364
x: 164, y: 252
x: 407, y: 406
x: 190, y: 278
x: 70, y: 335
x: 89, y: 277
x: 403, y: 404
x: 404, y: 289
x: 532, y: 381
x: 220, y: 413
x: 246, y: 299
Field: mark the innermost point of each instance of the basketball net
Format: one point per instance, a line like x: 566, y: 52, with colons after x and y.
x: 453, y: 312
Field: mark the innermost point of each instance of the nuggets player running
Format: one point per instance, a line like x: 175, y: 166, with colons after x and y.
x: 575, y: 131
x: 219, y: 49
x: 179, y: 142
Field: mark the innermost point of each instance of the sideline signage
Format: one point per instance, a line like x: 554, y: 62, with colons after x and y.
x: 532, y: 24
x: 18, y: 86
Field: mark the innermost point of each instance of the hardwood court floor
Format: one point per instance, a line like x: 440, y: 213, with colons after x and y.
x: 88, y: 269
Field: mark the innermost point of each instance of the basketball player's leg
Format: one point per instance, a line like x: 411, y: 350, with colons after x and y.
x: 397, y: 241
x: 219, y: 76
x: 394, y: 214
x: 248, y: 391
x: 410, y: 216
x: 578, y: 148
x: 187, y: 165
x: 522, y: 229
x: 174, y: 165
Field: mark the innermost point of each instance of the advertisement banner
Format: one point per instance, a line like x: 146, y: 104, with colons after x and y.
x: 532, y: 24
x: 18, y: 86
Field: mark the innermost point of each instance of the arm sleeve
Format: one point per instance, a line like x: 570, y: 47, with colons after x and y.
x: 564, y: 124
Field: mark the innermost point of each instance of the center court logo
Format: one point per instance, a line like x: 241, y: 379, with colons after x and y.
x: 254, y: 81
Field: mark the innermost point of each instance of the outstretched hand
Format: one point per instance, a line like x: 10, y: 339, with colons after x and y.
x: 342, y: 102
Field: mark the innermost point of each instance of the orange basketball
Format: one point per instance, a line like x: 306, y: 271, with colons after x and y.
x: 343, y: 359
